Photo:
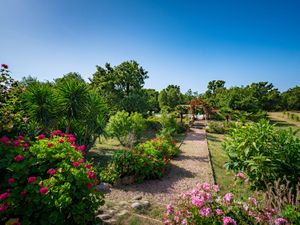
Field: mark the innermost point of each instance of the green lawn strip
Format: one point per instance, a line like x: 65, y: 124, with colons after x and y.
x: 224, y: 178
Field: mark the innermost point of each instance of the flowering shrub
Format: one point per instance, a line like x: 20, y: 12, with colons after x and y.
x: 203, y: 205
x: 46, y: 181
x: 145, y: 161
x: 159, y: 147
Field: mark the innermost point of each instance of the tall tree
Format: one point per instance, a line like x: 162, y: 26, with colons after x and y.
x: 170, y: 97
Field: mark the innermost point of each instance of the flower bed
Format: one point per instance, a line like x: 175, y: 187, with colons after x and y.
x: 46, y: 181
x: 145, y: 161
x: 204, y: 205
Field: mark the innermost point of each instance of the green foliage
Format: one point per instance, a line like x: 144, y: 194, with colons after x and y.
x: 47, y: 181
x: 291, y: 99
x: 170, y: 97
x: 11, y: 113
x: 292, y: 213
x: 145, y: 161
x: 121, y: 86
x: 126, y: 128
x: 219, y: 127
x: 263, y: 153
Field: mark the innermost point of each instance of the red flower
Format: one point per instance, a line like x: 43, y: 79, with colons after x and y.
x: 61, y: 141
x: 43, y: 190
x: 41, y: 136
x: 75, y: 164
x: 91, y: 175
x: 5, y: 66
x: 4, y: 207
x: 51, y: 171
x: 81, y: 148
x: 23, y: 193
x: 88, y: 166
x: 89, y: 185
x: 50, y: 145
x: 17, y: 143
x: 56, y: 132
x: 81, y: 160
x: 18, y: 158
x: 20, y: 137
x: 5, y: 140
x: 25, y: 146
x: 31, y: 180
x: 11, y: 180
x: 4, y: 195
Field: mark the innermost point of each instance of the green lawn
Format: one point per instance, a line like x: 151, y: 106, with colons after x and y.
x: 225, y: 179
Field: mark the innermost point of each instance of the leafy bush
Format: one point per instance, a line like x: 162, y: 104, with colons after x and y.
x: 264, y: 153
x: 219, y: 127
x: 145, y: 161
x: 153, y: 123
x: 204, y: 205
x: 126, y: 128
x: 47, y: 181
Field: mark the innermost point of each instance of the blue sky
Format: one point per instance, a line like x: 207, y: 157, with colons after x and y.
x: 182, y: 42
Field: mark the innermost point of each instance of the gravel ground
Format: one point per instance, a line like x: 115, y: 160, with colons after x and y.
x: 191, y: 166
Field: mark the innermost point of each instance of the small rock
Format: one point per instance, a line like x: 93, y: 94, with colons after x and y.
x: 103, y: 187
x: 123, y: 203
x: 138, y: 197
x: 122, y: 213
x: 104, y: 216
x: 145, y: 204
x: 137, y: 205
x: 110, y: 221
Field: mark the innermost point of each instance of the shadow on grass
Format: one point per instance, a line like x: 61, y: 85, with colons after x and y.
x: 280, y: 123
x: 210, y: 137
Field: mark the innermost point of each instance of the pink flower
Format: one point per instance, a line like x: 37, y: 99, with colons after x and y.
x: 219, y: 212
x: 206, y: 186
x: 5, y: 140
x: 252, y: 200
x: 281, y: 221
x: 51, y: 171
x: 228, y: 197
x: 241, y: 175
x: 88, y: 166
x: 11, y: 180
x: 43, y: 190
x: 196, y: 201
x: 205, y: 211
x: 17, y: 143
x: 31, y: 180
x: 23, y: 192
x: 216, y: 188
x: 41, y: 136
x: 4, y: 207
x: 75, y: 164
x: 61, y: 141
x: 81, y: 148
x: 5, y: 66
x: 184, y: 222
x: 57, y: 132
x: 228, y: 220
x: 25, y: 119
x: 50, y: 145
x: 18, y: 158
x: 90, y: 185
x: 71, y: 139
x: 25, y: 146
x: 170, y: 209
x: 81, y: 160
x: 20, y: 137
x: 4, y: 195
x: 91, y: 175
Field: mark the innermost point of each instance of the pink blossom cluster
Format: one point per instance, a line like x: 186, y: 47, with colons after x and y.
x: 204, y: 203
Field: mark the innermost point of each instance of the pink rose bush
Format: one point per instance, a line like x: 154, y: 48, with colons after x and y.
x: 47, y: 182
x: 204, y: 205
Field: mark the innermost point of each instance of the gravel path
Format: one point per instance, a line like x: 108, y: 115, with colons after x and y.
x: 191, y: 166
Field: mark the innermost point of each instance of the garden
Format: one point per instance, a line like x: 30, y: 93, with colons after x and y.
x: 62, y: 140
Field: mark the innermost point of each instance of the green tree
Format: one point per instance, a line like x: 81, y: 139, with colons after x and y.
x: 170, y: 97
x: 152, y: 100
x: 291, y: 98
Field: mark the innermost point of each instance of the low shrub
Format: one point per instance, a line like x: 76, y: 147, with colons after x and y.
x: 204, y: 205
x: 145, y: 161
x: 264, y: 153
x: 219, y: 127
x: 47, y: 181
x: 126, y: 128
